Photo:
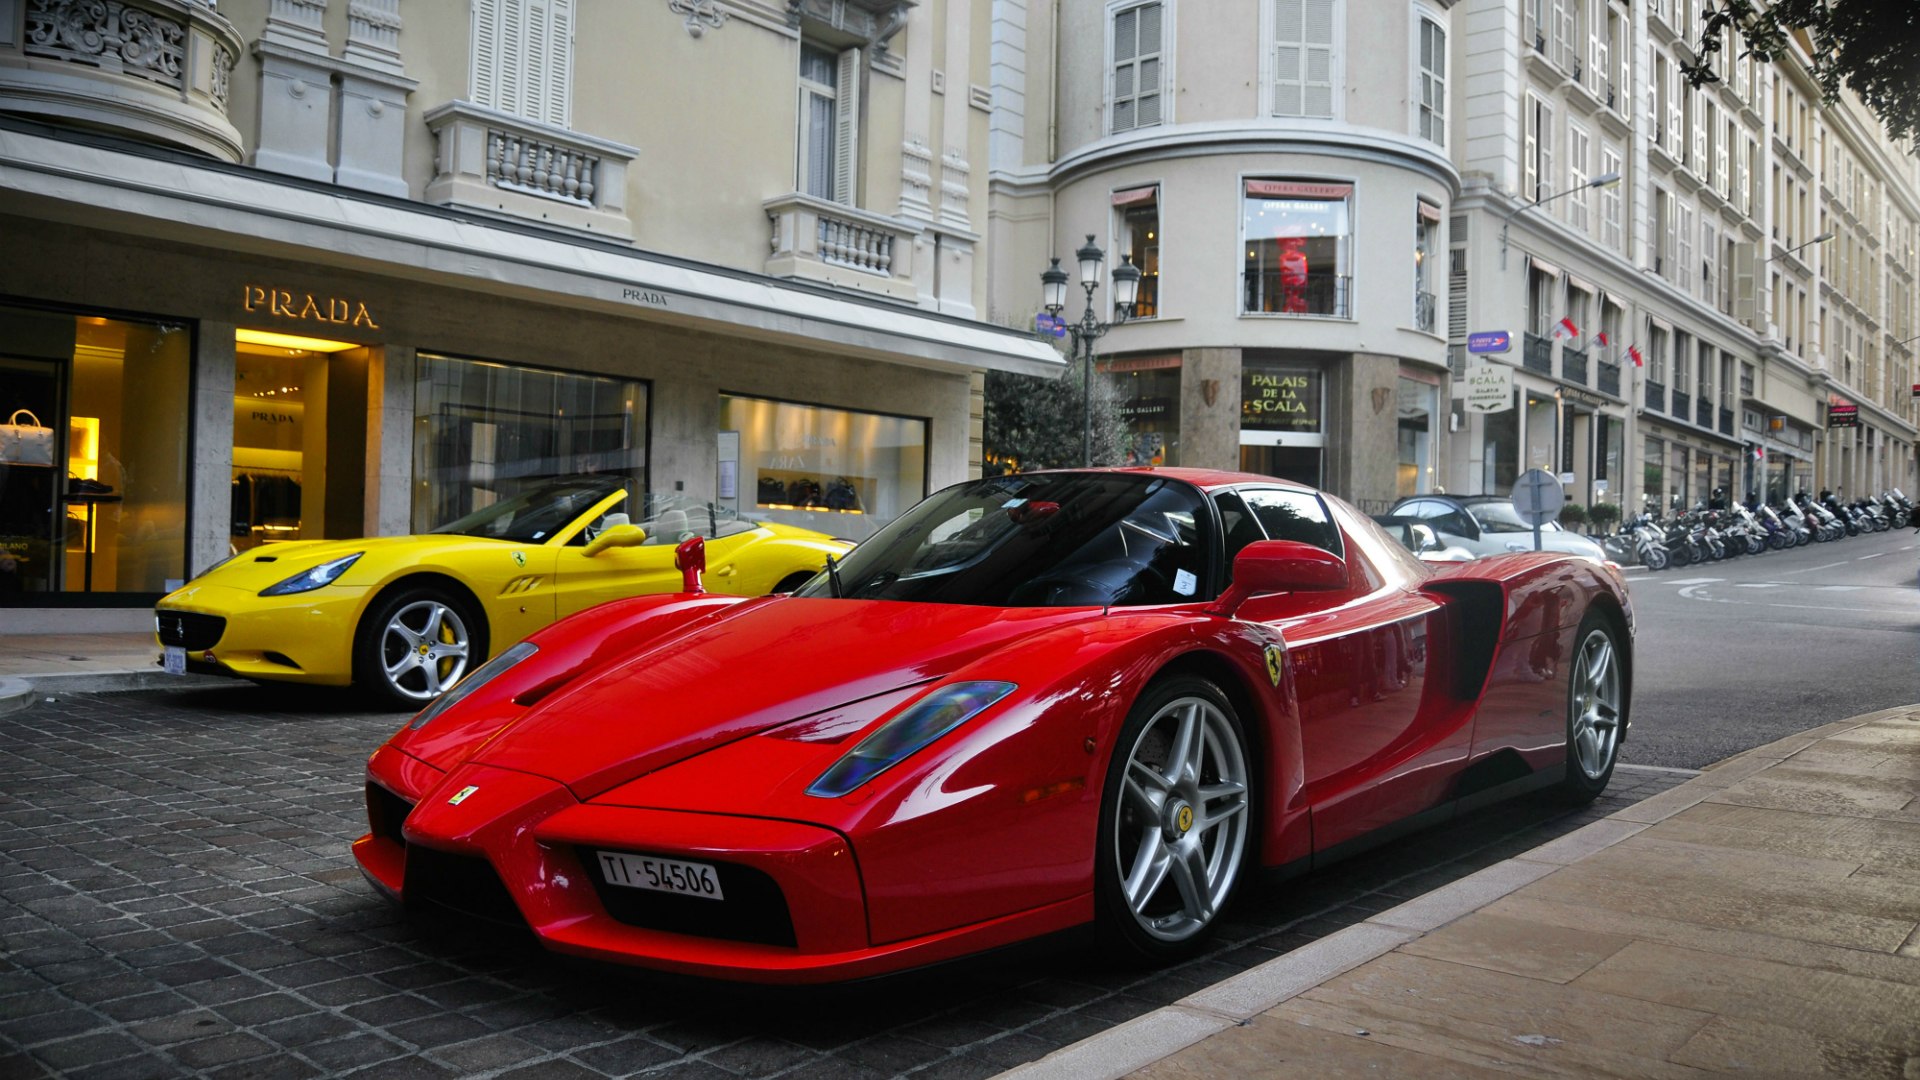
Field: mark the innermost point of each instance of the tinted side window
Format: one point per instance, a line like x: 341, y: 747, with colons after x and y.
x: 1239, y: 524
x: 1293, y: 515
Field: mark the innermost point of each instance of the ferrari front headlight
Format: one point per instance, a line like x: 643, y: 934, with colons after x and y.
x: 480, y: 677
x: 911, y: 730
x: 309, y: 580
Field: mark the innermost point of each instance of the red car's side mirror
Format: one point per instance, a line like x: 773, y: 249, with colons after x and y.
x: 690, y: 558
x: 1272, y: 566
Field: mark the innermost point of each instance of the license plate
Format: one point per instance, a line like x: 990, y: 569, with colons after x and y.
x: 661, y: 875
x: 173, y: 659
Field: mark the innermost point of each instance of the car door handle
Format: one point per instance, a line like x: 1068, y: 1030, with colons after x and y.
x: 724, y: 571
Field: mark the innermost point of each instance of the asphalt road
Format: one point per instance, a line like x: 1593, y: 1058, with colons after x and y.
x: 1741, y: 652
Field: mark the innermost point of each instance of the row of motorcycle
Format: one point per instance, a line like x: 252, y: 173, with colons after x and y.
x: 1723, y: 529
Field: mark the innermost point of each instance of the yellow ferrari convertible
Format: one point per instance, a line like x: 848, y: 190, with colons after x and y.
x: 404, y: 617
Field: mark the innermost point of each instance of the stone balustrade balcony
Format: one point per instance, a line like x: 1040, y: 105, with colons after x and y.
x: 154, y: 70
x: 502, y: 164
x: 817, y: 240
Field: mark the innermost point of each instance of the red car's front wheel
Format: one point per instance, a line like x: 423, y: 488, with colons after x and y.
x: 1175, y: 819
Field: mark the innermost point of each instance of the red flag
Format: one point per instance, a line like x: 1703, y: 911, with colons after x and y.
x: 1566, y: 329
x: 1601, y: 338
x: 1634, y: 352
x: 1759, y: 453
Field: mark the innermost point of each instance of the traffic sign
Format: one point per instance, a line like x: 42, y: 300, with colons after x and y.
x: 1537, y: 497
x: 1489, y: 341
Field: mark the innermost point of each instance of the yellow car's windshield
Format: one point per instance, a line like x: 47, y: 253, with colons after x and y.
x: 533, y: 516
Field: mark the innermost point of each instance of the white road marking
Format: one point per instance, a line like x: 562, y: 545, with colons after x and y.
x: 1758, y: 584
x: 1839, y: 588
x: 1811, y: 569
x: 1875, y: 555
x: 1695, y: 581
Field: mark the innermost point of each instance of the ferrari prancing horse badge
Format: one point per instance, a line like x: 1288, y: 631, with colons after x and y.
x: 520, y: 557
x: 1276, y: 663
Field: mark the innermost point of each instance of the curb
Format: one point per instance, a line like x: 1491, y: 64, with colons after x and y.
x: 108, y: 682
x: 1237, y: 1000
x: 15, y: 695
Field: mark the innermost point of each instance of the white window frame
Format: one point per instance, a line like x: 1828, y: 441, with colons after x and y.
x: 539, y: 34
x: 1536, y: 170
x: 1579, y: 213
x: 1117, y: 235
x: 1683, y: 244
x: 845, y: 95
x: 1337, y: 69
x: 1349, y: 253
x: 1610, y: 231
x: 1168, y: 51
x: 1424, y: 16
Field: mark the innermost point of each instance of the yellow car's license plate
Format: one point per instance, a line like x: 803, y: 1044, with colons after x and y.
x: 661, y: 875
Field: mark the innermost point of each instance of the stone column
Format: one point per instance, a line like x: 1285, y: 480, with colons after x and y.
x: 389, y: 491
x: 296, y: 91
x: 1362, y: 427
x: 373, y: 100
x: 1210, y: 408
x: 210, y: 472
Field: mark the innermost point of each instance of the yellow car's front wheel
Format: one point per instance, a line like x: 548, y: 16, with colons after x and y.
x: 415, y: 643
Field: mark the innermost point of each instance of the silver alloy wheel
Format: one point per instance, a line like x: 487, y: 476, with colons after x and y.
x: 1595, y: 690
x: 423, y: 650
x: 1182, y: 819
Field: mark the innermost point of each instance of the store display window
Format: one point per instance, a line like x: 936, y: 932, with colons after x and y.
x: 486, y: 431
x: 93, y: 455
x: 1147, y: 397
x: 1418, y: 403
x: 1297, y: 235
x: 841, y: 472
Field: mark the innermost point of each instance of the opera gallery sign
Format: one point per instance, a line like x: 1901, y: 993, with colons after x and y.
x: 1489, y: 387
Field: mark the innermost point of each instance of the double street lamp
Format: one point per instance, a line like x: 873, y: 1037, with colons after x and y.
x: 1126, y: 288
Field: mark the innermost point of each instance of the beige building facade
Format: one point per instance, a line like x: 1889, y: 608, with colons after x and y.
x: 1279, y: 172
x: 1368, y: 205
x: 292, y: 269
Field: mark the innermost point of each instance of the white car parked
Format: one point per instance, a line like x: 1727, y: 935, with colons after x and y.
x: 1486, y: 525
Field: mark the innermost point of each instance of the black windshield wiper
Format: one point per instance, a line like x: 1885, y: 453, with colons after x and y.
x: 833, y: 576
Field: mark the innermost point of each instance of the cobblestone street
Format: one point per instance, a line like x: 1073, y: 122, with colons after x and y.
x: 177, y: 898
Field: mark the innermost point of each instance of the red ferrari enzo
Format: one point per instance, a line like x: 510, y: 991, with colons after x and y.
x: 1029, y: 703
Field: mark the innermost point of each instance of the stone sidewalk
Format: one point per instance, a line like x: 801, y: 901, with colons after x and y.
x: 1762, y: 918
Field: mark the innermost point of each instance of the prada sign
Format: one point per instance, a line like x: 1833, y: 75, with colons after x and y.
x: 306, y: 307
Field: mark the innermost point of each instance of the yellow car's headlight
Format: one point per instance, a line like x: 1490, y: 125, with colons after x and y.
x: 309, y: 580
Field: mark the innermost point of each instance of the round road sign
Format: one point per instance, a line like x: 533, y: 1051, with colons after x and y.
x: 1537, y: 497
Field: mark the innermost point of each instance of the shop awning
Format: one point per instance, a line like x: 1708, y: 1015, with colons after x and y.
x: 178, y: 197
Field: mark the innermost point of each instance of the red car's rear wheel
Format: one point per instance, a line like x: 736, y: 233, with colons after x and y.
x: 1175, y: 819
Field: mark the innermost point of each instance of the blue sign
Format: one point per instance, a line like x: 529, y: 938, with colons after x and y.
x: 1049, y: 325
x: 1491, y: 341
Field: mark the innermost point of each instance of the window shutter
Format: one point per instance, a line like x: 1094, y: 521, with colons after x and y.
x: 1700, y: 111
x: 558, y: 92
x: 1303, y: 57
x: 1562, y: 50
x: 1547, y: 176
x: 1530, y: 154
x: 1457, y: 295
x: 1676, y: 133
x: 1137, y: 36
x: 510, y: 77
x: 1319, y: 57
x: 486, y: 53
x: 846, y: 134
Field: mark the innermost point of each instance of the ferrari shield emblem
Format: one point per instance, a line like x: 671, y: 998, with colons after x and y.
x: 1276, y: 663
x: 520, y: 558
x: 461, y: 795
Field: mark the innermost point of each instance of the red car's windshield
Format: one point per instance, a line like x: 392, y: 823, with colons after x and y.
x: 1038, y: 540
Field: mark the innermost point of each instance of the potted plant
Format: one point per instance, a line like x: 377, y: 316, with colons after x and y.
x: 1604, y: 517
x: 1573, y: 516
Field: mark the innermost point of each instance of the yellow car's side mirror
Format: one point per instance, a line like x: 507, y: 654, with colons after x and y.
x: 617, y: 536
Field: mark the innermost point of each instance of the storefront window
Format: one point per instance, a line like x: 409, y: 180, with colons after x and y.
x: 299, y: 439
x: 1418, y: 401
x: 841, y: 472
x: 485, y: 432
x: 1653, y: 473
x: 1296, y: 235
x: 93, y: 463
x: 1138, y: 211
x: 1501, y: 466
x: 1677, y: 477
x: 1147, y: 394
x: 1281, y: 404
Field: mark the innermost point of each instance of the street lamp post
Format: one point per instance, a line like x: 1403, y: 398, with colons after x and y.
x: 1603, y: 180
x: 1126, y: 288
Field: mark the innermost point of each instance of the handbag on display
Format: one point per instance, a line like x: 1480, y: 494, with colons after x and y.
x: 25, y: 444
